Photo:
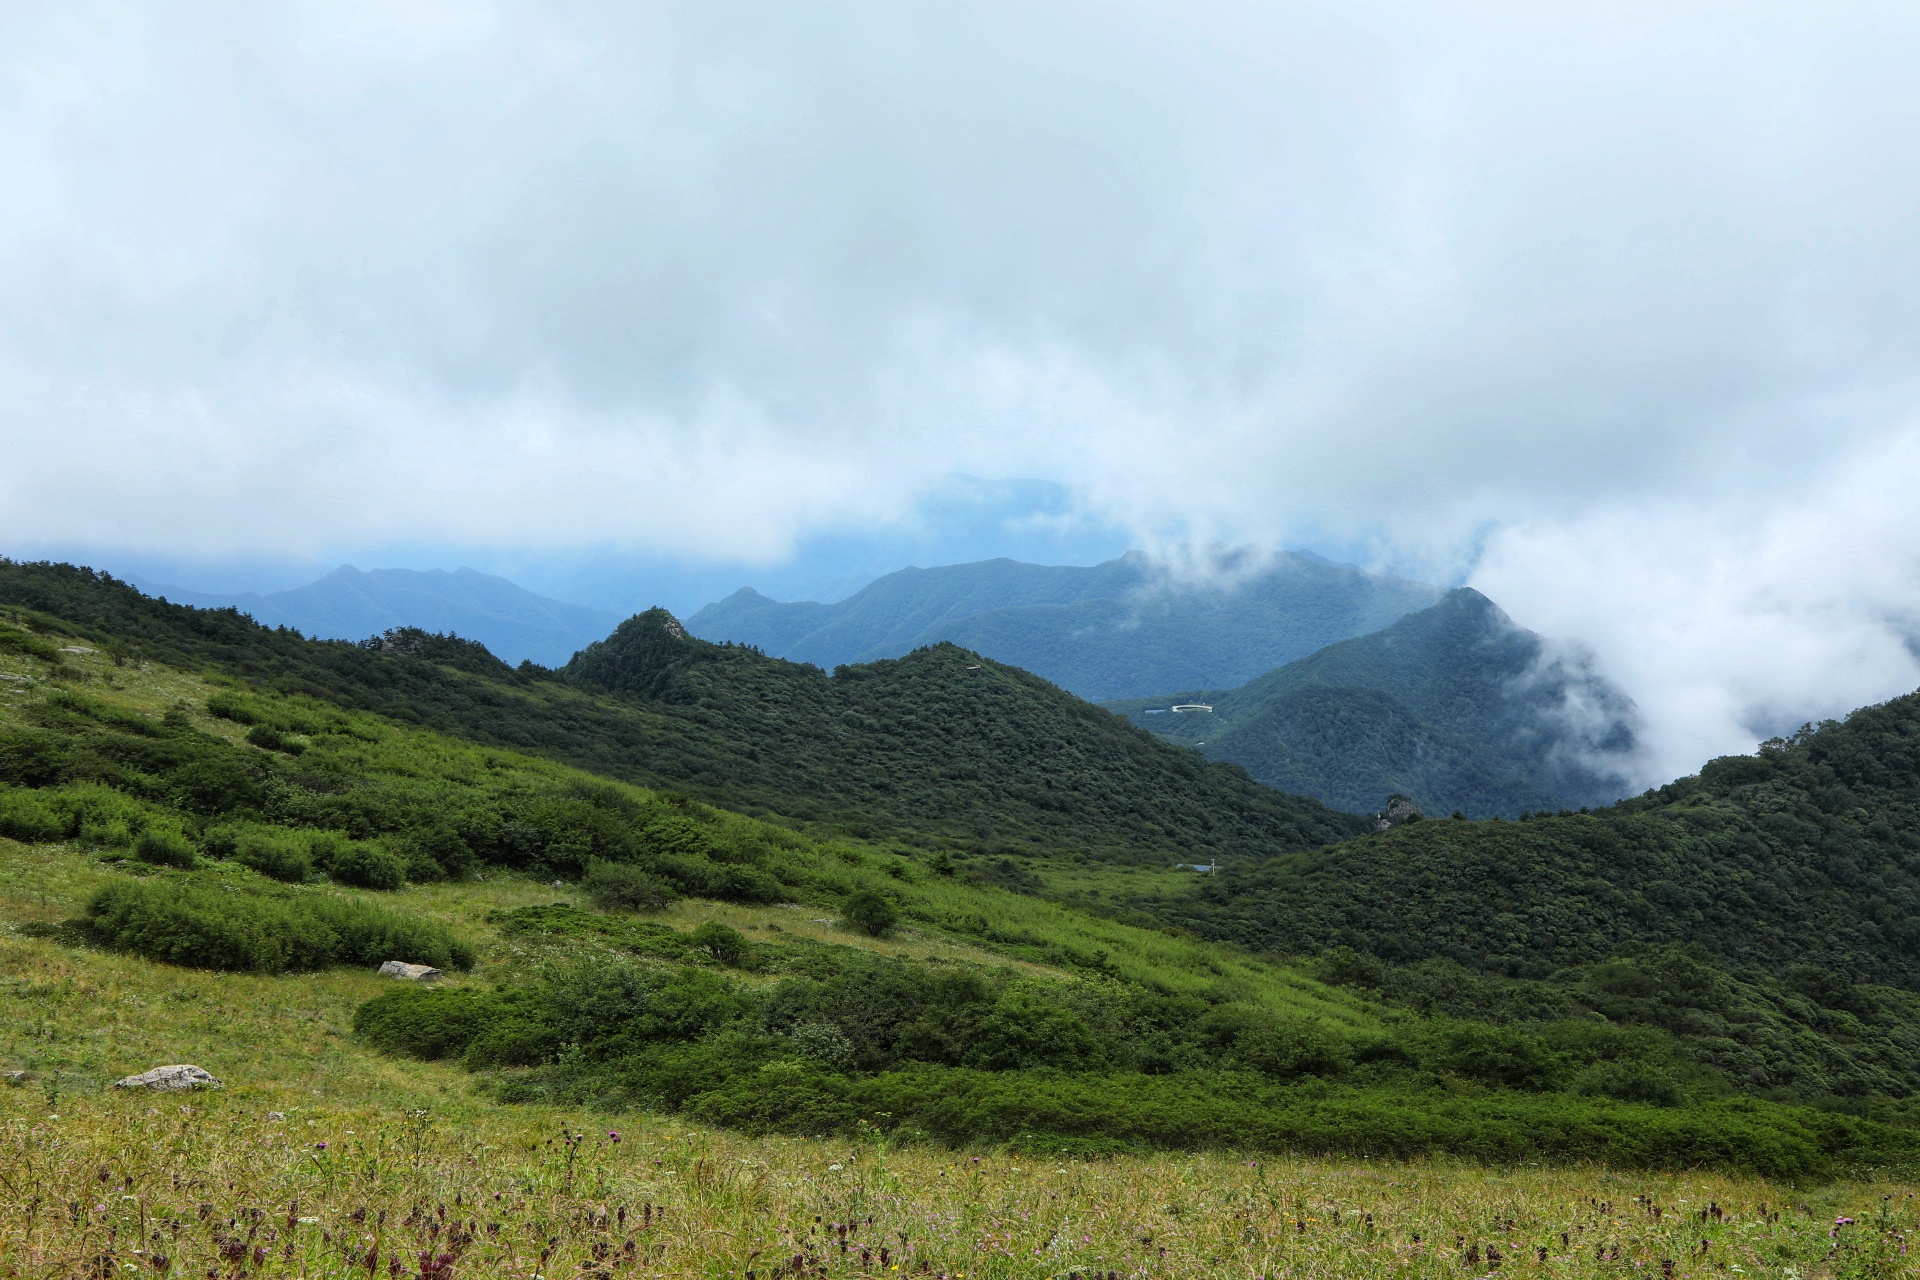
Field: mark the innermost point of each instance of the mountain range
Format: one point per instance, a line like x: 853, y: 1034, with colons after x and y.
x: 942, y: 745
x: 1368, y: 687
x: 352, y: 604
x: 1455, y: 707
x: 1118, y: 629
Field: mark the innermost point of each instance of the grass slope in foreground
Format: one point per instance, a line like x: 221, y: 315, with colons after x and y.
x: 325, y: 1155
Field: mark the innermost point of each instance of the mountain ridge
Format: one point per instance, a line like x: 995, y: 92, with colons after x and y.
x: 1116, y: 629
x: 1455, y: 706
x: 352, y: 604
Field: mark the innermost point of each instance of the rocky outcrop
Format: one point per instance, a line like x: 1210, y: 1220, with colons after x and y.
x: 410, y: 972
x: 180, y: 1076
x: 1399, y: 809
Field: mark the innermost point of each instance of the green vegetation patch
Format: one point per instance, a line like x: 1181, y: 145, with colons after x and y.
x: 969, y: 1056
x: 179, y: 920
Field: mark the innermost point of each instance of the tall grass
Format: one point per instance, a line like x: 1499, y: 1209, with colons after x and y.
x: 228, y: 1185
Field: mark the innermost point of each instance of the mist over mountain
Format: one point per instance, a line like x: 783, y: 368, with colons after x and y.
x: 1455, y: 706
x: 352, y: 604
x: 1111, y: 630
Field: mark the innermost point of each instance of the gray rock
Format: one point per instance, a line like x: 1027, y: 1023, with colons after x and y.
x: 1399, y: 810
x: 177, y: 1077
x: 410, y: 972
x: 20, y: 1077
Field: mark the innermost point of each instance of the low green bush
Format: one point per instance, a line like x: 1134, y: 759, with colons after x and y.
x: 228, y: 705
x: 274, y: 852
x: 618, y: 886
x: 163, y: 848
x: 426, y: 1022
x: 26, y: 817
x: 100, y: 815
x: 870, y: 913
x: 268, y: 738
x: 367, y: 865
x: 722, y: 943
x: 484, y: 1029
x: 1053, y: 1112
x: 16, y: 640
x: 216, y: 926
x: 848, y: 1043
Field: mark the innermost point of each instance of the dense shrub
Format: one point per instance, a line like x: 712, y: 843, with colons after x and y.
x: 870, y: 913
x: 1093, y: 1114
x: 616, y: 886
x: 213, y: 926
x: 367, y: 865
x: 164, y: 848
x: 274, y: 852
x: 15, y: 640
x: 426, y: 1022
x: 228, y: 705
x: 434, y: 852
x: 269, y: 738
x: 717, y: 940
x: 1038, y: 1075
x: 25, y: 816
x: 30, y: 758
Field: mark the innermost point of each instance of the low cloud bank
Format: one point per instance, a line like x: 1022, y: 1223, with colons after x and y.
x: 1731, y: 621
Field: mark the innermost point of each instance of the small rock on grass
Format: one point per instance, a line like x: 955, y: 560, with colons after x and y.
x: 176, y: 1077
x: 411, y: 972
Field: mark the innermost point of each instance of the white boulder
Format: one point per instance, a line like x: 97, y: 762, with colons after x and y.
x: 176, y: 1077
x: 410, y: 972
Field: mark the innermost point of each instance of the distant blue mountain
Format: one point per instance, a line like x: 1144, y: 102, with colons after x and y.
x: 352, y: 604
x: 1112, y: 630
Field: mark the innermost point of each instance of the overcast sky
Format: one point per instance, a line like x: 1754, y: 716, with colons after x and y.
x: 1610, y: 309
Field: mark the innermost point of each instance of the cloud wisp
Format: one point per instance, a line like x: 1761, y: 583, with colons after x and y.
x: 1735, y: 621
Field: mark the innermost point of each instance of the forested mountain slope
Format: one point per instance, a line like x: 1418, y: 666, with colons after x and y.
x: 1454, y: 706
x: 1807, y: 854
x: 351, y: 604
x: 984, y: 757
x: 1112, y: 630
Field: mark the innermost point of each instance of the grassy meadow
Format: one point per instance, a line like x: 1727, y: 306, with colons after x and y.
x: 324, y: 1158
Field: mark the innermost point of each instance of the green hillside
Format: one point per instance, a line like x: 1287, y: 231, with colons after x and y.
x: 1781, y: 882
x: 1109, y: 630
x: 183, y: 819
x: 1453, y: 706
x: 922, y: 746
x: 631, y: 948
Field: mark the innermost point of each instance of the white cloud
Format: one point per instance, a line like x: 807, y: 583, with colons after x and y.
x: 709, y: 279
x: 1735, y: 620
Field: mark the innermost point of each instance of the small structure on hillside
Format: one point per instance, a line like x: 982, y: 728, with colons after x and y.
x: 1193, y: 706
